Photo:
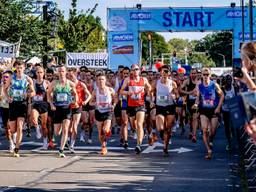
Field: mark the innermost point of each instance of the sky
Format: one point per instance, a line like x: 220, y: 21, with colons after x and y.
x: 104, y: 4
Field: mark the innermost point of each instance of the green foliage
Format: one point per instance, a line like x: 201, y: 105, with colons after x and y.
x: 158, y: 46
x: 215, y: 44
x: 81, y: 31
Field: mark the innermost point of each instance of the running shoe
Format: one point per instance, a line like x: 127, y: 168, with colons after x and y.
x: 51, y: 145
x: 89, y: 141
x: 38, y: 133
x: 72, y: 150
x: 126, y: 145
x: 104, y: 151
x: 61, y: 154
x: 11, y: 147
x: 166, y: 152
x: 16, y: 154
x: 154, y: 137
x: 82, y: 137
x: 138, y: 149
x: 194, y: 139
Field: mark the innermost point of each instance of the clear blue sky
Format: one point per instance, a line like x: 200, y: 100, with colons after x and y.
x: 104, y: 4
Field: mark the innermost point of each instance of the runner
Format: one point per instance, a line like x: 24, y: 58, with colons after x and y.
x: 49, y: 77
x: 40, y: 105
x: 209, y: 99
x: 59, y: 95
x: 166, y: 91
x: 103, y: 97
x: 84, y: 97
x: 189, y: 88
x: 87, y: 117
x: 136, y: 101
x: 124, y: 115
x: 6, y: 80
x: 20, y: 89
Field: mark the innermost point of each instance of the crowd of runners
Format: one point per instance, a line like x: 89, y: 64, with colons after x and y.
x: 59, y: 101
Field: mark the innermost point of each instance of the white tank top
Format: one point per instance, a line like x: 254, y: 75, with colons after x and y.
x: 163, y: 93
x: 103, y: 101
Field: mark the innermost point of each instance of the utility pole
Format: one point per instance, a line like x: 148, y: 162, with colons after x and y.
x: 251, y: 19
x: 45, y: 39
x: 242, y: 5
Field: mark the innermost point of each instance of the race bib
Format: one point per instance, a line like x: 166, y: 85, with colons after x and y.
x: 62, y: 97
x: 162, y: 98
x: 38, y: 98
x: 17, y: 93
x: 208, y: 103
x: 136, y: 96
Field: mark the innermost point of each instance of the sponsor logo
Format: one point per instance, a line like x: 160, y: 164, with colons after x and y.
x: 122, y: 37
x: 236, y: 13
x: 126, y: 49
x: 140, y: 16
x: 117, y: 23
x: 246, y: 36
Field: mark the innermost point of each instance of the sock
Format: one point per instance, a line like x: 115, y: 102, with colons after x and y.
x: 72, y: 143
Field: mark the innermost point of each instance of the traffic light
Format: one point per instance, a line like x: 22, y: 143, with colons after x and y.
x: 174, y: 54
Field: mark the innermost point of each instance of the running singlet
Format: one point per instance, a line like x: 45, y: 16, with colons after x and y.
x: 80, y: 93
x: 123, y: 98
x: 62, y: 95
x: 137, y: 93
x: 103, y: 102
x: 208, y: 96
x: 40, y: 90
x: 18, y: 88
x: 191, y: 86
x: 163, y: 93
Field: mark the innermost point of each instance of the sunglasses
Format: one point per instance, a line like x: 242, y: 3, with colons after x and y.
x: 126, y: 73
x: 5, y: 77
x: 166, y: 71
x: 206, y: 74
x: 136, y: 69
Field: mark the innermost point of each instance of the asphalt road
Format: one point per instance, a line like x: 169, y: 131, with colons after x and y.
x: 121, y: 170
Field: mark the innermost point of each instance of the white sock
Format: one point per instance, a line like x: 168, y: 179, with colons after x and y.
x: 72, y: 143
x: 45, y: 140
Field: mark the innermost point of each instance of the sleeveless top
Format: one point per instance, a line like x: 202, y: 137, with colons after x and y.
x: 40, y: 90
x: 80, y: 93
x: 208, y: 96
x: 18, y: 88
x: 191, y: 86
x: 136, y: 99
x: 123, y: 98
x: 103, y: 101
x: 163, y: 93
x: 62, y: 95
x: 228, y: 95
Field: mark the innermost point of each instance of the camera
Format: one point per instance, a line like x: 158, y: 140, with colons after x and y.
x: 242, y: 108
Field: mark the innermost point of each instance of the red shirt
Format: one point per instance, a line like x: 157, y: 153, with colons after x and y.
x: 80, y: 93
x: 136, y: 99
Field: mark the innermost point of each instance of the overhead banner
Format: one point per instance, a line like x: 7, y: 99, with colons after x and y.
x: 90, y: 60
x: 9, y: 50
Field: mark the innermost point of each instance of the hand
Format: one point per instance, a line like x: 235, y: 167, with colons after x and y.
x: 251, y: 129
x: 245, y: 77
x: 152, y: 104
x: 217, y: 110
x: 195, y: 106
x: 10, y: 99
x: 84, y: 103
x: 53, y: 108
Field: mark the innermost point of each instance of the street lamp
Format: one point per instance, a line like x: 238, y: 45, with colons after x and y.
x: 224, y: 59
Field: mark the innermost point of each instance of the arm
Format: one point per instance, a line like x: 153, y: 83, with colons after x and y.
x: 114, y: 98
x: 183, y: 86
x: 31, y: 88
x: 89, y: 96
x: 93, y: 99
x: 73, y: 90
x: 221, y: 95
x: 195, y: 106
x: 125, y: 84
x: 175, y: 90
x: 49, y: 95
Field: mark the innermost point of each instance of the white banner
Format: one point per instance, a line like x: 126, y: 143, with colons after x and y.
x: 90, y: 60
x: 9, y: 50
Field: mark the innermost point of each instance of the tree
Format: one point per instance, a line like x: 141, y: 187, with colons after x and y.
x: 158, y: 46
x: 216, y: 44
x: 17, y: 22
x: 81, y: 31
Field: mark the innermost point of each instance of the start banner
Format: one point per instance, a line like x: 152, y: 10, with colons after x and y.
x: 90, y: 60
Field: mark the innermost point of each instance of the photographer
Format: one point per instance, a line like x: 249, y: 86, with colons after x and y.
x: 248, y: 56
